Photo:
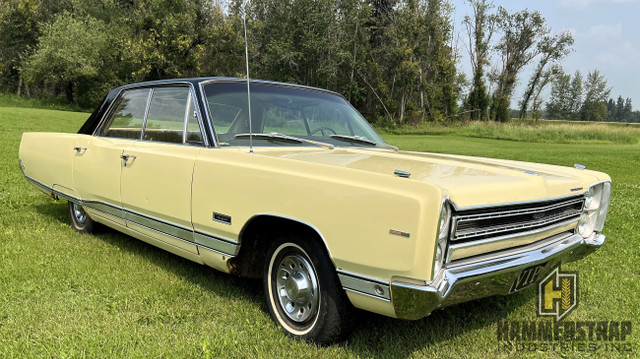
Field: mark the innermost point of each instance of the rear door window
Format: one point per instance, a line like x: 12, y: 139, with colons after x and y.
x: 128, y: 117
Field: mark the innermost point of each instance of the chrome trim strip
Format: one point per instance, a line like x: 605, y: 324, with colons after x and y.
x: 185, y: 120
x: 104, y: 207
x: 67, y: 197
x: 194, y: 98
x: 546, y: 223
x: 216, y: 251
x: 364, y: 285
x: 362, y: 276
x: 205, y: 105
x: 366, y: 294
x: 557, y: 239
x: 163, y: 233
x: 506, y: 204
x: 55, y: 193
x: 145, y: 117
x: 517, y: 212
x: 217, y: 244
x: 544, y: 236
x: 160, y: 226
x: 39, y: 185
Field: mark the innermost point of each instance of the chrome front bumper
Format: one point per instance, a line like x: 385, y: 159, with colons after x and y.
x: 487, y: 275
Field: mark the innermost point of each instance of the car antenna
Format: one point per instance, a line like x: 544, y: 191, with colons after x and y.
x: 246, y: 56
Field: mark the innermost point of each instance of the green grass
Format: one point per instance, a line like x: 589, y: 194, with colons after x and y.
x: 63, y: 294
x: 12, y: 100
x: 563, y: 132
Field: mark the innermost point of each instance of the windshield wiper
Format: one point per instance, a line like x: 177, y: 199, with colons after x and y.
x: 359, y: 139
x: 279, y: 136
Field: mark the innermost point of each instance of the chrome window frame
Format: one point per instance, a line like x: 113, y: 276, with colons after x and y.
x: 113, y: 106
x: 151, y: 87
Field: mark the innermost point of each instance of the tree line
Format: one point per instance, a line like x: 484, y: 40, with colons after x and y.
x: 578, y: 99
x: 395, y: 60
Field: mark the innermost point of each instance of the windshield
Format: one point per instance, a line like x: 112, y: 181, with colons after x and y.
x: 300, y: 113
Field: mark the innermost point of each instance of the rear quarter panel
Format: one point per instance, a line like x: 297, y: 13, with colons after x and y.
x: 47, y: 158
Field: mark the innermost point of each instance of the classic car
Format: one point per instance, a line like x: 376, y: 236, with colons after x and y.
x: 290, y: 184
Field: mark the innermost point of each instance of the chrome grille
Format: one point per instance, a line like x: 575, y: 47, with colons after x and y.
x: 492, y: 222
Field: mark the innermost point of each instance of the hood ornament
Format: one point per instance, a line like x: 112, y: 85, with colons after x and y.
x: 579, y: 166
x: 402, y: 174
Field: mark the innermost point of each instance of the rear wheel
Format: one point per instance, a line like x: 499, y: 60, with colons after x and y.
x: 80, y: 220
x: 303, y: 292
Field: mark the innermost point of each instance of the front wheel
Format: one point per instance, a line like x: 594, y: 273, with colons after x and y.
x: 80, y: 220
x: 304, y: 294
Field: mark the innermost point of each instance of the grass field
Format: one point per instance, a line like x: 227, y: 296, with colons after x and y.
x: 66, y: 295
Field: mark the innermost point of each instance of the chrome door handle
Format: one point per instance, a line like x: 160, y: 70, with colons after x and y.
x: 80, y: 149
x: 126, y: 158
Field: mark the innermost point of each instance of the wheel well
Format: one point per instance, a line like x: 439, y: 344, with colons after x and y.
x: 256, y: 238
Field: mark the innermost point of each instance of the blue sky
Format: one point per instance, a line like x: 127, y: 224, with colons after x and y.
x: 606, y: 33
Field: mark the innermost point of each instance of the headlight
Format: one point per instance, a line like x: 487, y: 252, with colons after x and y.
x: 443, y: 234
x: 596, y: 206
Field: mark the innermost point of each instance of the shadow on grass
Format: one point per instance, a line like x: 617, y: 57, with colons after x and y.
x: 380, y: 336
x: 224, y: 285
x: 374, y: 335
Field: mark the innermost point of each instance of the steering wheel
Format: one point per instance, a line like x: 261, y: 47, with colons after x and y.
x: 322, y: 130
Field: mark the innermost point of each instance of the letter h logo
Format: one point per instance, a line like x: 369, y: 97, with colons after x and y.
x: 558, y: 294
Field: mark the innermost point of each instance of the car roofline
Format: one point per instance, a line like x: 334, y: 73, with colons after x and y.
x: 202, y: 80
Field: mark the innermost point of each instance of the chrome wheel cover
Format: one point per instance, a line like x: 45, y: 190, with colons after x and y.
x: 79, y: 215
x: 296, y: 288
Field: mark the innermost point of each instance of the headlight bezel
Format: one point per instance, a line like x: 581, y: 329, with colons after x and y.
x: 442, y: 236
x: 595, y: 208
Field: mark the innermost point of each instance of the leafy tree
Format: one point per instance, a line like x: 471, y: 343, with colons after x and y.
x: 627, y: 111
x: 552, y: 49
x: 576, y: 96
x: 70, y: 52
x: 480, y: 29
x: 517, y: 47
x: 19, y: 33
x: 596, y: 90
x: 613, y: 112
x: 559, y: 106
x: 619, y: 111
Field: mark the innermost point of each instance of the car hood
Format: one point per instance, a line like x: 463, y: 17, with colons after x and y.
x: 468, y: 181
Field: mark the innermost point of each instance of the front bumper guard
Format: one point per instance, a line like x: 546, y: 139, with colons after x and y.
x: 486, y: 276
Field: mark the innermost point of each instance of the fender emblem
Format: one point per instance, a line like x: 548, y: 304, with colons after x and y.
x: 399, y: 233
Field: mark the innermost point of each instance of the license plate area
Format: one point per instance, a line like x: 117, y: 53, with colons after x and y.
x: 526, y: 278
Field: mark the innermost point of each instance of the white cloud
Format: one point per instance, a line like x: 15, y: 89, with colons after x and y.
x: 605, y: 33
x: 625, y: 55
x: 583, y: 4
x: 576, y: 4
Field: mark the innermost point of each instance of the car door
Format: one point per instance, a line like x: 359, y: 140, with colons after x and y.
x: 97, y: 163
x: 157, y: 171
